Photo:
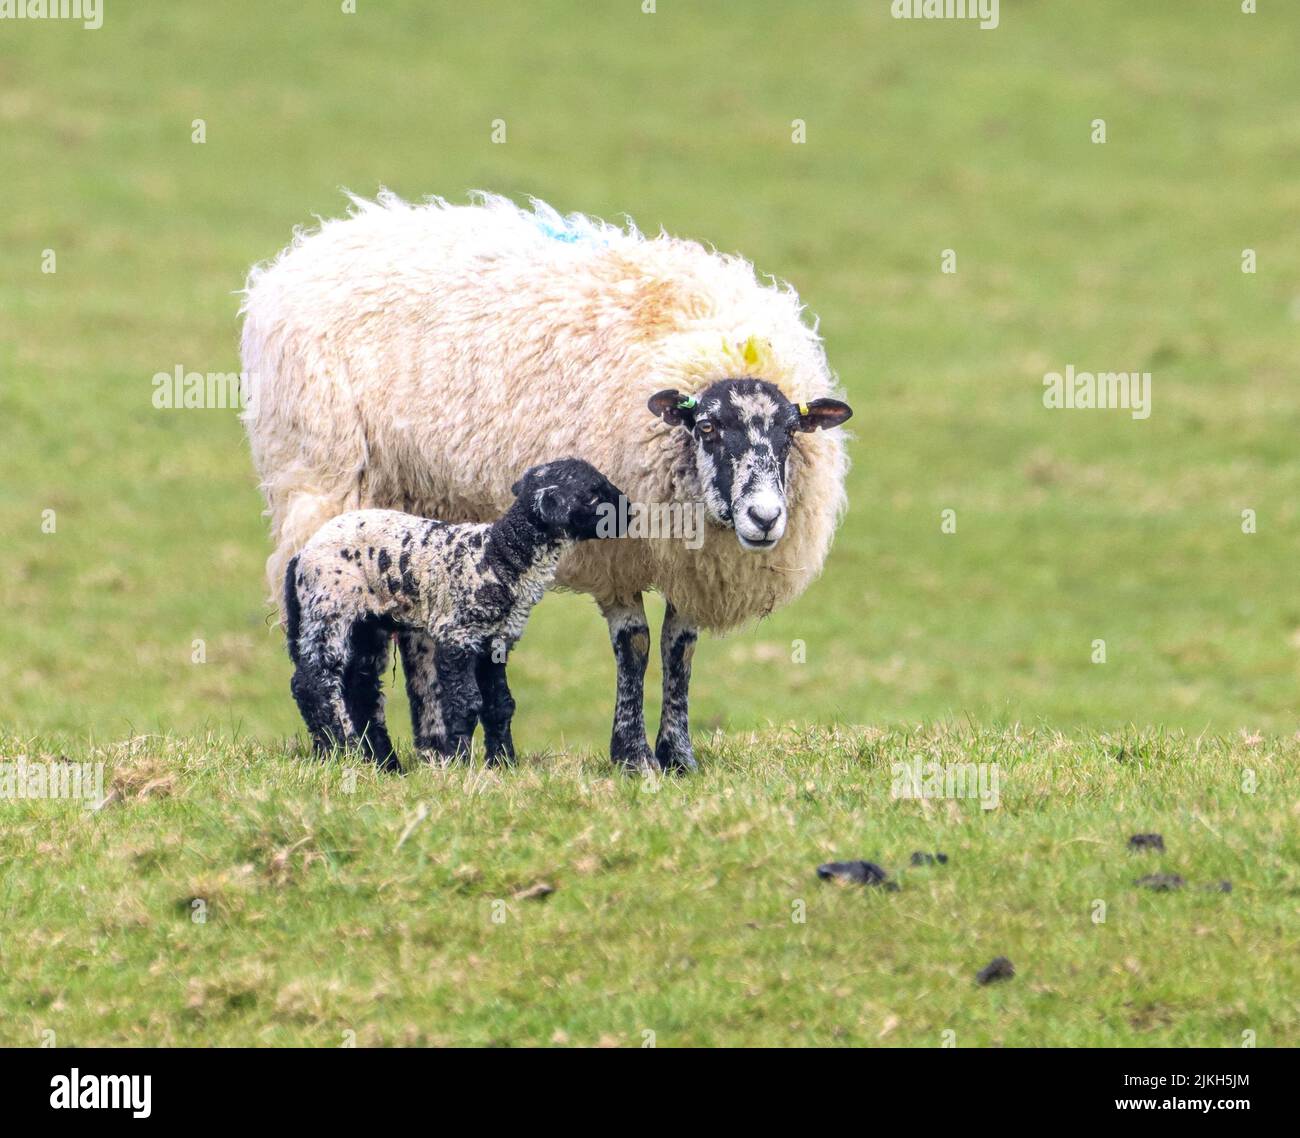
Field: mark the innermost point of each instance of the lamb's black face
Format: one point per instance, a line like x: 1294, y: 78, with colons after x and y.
x: 741, y: 431
x: 569, y: 497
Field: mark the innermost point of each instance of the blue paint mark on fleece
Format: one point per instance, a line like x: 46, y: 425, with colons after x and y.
x: 570, y: 230
x: 550, y: 230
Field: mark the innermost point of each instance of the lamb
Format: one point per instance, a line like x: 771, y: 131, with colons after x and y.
x: 469, y: 588
x: 408, y: 356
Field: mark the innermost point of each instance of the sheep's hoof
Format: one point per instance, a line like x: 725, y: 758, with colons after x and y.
x: 635, y: 770
x: 676, y: 760
x: 634, y: 760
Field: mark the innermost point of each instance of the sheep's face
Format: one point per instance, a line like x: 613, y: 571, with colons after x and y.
x: 741, y: 432
x: 569, y: 498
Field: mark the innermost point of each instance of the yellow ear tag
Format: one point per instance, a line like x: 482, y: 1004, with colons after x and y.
x: 803, y: 408
x: 751, y: 352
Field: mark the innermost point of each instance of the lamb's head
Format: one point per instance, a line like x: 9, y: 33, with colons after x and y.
x: 569, y: 498
x: 741, y: 431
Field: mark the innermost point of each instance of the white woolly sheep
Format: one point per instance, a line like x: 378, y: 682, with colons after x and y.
x: 409, y: 356
x: 470, y: 588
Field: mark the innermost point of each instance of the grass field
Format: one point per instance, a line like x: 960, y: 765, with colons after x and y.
x: 131, y: 570
x: 396, y: 909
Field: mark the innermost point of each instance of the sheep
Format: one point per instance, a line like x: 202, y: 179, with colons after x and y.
x: 407, y: 356
x: 470, y: 588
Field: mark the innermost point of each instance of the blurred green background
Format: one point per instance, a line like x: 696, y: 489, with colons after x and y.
x: 921, y: 137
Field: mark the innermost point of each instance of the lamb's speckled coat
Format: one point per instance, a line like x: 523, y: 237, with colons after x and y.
x: 471, y: 588
x: 420, y: 573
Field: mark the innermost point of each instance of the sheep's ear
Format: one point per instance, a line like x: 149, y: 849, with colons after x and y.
x: 515, y: 488
x: 668, y: 405
x: 822, y: 414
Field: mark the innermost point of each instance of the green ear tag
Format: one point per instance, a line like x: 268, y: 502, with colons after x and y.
x: 687, y: 403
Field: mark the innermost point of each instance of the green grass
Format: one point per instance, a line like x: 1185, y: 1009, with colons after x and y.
x: 371, y: 911
x: 1072, y: 527
x: 921, y: 137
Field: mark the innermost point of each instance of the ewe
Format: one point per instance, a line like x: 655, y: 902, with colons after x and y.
x: 469, y: 588
x: 412, y: 356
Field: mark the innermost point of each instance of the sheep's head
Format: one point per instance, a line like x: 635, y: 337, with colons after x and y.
x: 741, y: 431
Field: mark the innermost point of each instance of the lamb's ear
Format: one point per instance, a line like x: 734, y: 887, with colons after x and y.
x: 674, y: 408
x: 822, y: 414
x: 515, y: 488
x: 548, y: 505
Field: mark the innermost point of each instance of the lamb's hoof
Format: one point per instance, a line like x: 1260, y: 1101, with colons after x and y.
x: 676, y: 760
x: 435, y: 756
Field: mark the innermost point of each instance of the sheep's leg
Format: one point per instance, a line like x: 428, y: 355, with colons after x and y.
x: 676, y: 647
x: 419, y: 666
x: 459, y: 694
x: 363, y: 687
x: 630, y: 635
x: 498, y: 704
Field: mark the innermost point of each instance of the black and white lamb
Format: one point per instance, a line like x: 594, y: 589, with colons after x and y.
x: 369, y: 573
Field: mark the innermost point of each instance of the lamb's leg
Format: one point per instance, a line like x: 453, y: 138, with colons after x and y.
x: 363, y: 685
x: 630, y: 635
x: 461, y: 702
x: 418, y: 665
x: 311, y: 690
x: 318, y: 686
x: 498, y: 704
x: 676, y: 647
